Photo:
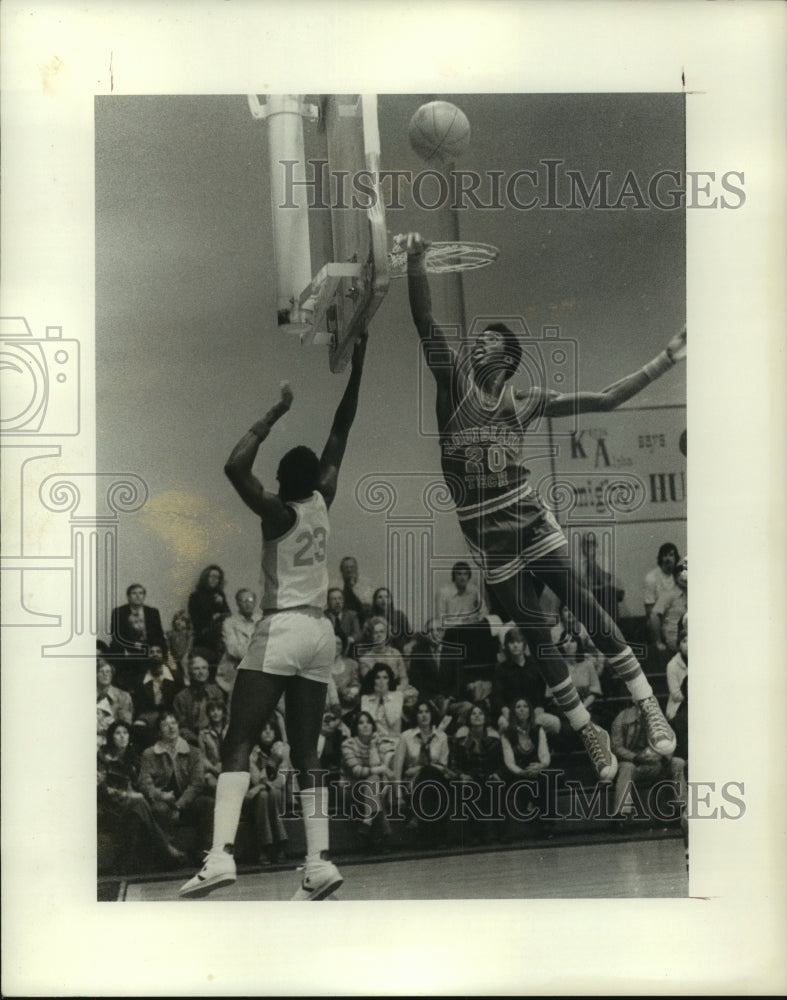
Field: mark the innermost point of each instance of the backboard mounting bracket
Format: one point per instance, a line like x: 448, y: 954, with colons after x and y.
x: 331, y: 254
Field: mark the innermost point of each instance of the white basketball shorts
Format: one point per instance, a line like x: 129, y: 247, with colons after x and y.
x: 293, y: 643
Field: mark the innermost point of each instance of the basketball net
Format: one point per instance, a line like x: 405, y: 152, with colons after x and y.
x: 445, y: 258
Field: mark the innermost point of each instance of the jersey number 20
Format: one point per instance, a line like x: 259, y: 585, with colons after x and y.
x: 312, y: 547
x: 495, y: 459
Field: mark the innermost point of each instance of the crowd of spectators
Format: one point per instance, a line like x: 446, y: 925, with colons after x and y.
x: 410, y: 715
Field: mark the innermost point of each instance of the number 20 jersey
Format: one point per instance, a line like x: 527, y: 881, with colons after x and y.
x: 294, y: 566
x: 502, y: 518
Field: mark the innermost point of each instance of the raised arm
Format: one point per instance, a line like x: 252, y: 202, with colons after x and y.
x: 275, y: 517
x: 565, y: 404
x: 439, y: 353
x: 333, y: 452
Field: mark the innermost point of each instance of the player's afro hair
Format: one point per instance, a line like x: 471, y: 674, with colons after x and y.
x: 299, y: 473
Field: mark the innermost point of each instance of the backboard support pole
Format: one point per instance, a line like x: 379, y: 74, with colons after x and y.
x: 331, y: 260
x: 284, y: 115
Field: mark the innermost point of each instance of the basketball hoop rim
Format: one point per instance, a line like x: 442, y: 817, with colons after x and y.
x: 445, y: 257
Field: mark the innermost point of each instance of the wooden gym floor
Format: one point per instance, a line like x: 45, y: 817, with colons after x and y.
x: 633, y: 868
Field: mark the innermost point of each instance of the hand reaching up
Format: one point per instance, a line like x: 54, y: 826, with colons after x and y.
x: 676, y: 348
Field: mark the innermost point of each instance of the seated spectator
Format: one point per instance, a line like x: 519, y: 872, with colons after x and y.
x: 638, y: 764
x: 356, y: 591
x: 265, y: 802
x: 569, y: 624
x: 236, y: 631
x: 156, y: 693
x: 399, y: 630
x: 602, y: 584
x: 346, y: 624
x: 612, y: 687
x: 178, y: 674
x: 191, y: 704
x: 524, y: 743
x: 347, y: 678
x: 369, y: 778
x: 112, y: 703
x: 584, y: 673
x: 667, y: 613
x: 478, y: 679
x: 469, y: 646
x: 208, y: 608
x: 464, y: 728
x: 422, y: 662
x: 124, y: 812
x: 410, y: 700
x: 460, y: 602
x: 677, y: 669
x: 455, y: 716
x: 421, y: 763
x: 180, y: 640
x: 385, y: 705
x: 660, y: 580
x: 477, y: 756
x: 329, y: 743
x: 518, y: 676
x: 172, y: 779
x: 375, y: 648
x: 134, y: 628
x: 211, y: 738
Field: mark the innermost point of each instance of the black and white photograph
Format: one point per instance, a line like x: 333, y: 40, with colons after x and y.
x: 500, y: 530
x: 345, y: 437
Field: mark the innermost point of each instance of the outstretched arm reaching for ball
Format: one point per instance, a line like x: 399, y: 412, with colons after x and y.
x: 417, y: 283
x: 565, y: 404
x: 276, y: 517
x: 333, y: 452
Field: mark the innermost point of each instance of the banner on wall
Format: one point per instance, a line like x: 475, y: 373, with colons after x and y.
x: 627, y: 466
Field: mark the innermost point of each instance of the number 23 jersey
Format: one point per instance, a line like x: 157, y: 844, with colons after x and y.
x: 294, y: 565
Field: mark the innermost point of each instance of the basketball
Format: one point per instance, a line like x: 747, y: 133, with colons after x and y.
x: 439, y: 131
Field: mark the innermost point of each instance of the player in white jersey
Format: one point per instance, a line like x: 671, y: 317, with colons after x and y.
x: 293, y: 646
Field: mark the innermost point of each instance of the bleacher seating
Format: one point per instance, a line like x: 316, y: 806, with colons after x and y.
x: 346, y: 840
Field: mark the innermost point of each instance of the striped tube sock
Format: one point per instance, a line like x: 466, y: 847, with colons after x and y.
x: 314, y: 803
x: 567, y: 698
x: 625, y: 666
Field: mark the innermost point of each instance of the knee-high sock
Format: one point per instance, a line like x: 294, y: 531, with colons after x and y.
x: 230, y: 790
x: 567, y: 698
x: 625, y: 666
x: 314, y: 803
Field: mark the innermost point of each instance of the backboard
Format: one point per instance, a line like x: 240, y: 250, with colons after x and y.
x: 328, y: 216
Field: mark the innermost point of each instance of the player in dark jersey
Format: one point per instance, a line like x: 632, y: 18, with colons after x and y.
x: 517, y: 542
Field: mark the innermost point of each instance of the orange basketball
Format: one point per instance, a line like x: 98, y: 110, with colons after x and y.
x: 439, y: 131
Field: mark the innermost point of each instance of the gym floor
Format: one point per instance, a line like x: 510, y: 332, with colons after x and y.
x: 616, y: 868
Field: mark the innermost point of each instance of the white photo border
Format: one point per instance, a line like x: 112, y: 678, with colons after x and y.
x: 728, y: 937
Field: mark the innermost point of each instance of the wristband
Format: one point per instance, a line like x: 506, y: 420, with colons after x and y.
x: 660, y: 364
